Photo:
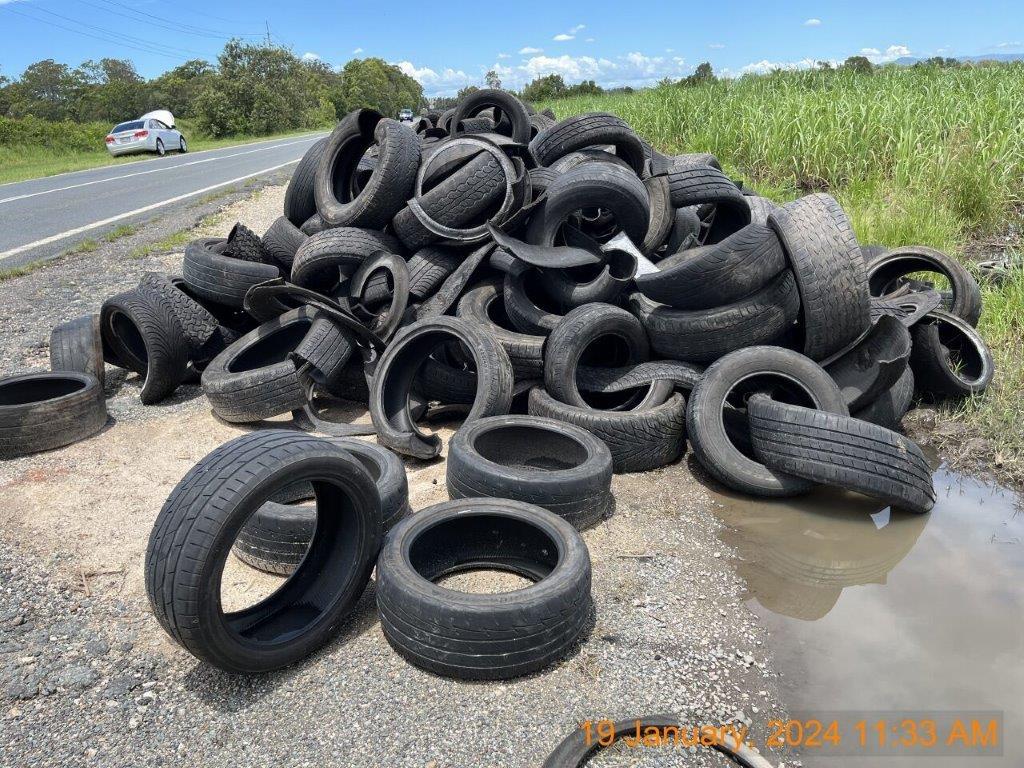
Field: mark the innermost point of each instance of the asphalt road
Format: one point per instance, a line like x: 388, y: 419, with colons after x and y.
x: 41, y: 218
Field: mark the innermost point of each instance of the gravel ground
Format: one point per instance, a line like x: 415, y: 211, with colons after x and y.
x: 87, y: 677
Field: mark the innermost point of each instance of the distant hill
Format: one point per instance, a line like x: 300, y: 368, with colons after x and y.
x: 908, y: 61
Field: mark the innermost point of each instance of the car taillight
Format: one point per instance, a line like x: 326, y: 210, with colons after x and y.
x: 111, y: 139
x: 141, y: 134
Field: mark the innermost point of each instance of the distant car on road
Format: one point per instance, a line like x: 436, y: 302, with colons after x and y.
x: 153, y: 132
x: 405, y: 116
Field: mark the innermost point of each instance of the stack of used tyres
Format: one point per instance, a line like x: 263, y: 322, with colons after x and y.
x: 585, y: 304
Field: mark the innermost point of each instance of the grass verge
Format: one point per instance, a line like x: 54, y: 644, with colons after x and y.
x: 19, y: 163
x: 921, y: 156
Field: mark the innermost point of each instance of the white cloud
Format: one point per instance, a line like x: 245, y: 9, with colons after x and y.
x: 357, y: 51
x: 589, y: 40
x: 895, y: 51
x: 1009, y: 45
x: 570, y: 35
x: 716, y: 46
x: 447, y: 81
x: 529, y: 51
x: 504, y: 56
x: 891, y: 53
x: 634, y: 69
x: 764, y: 66
x: 870, y: 52
x: 308, y: 56
x: 812, y: 23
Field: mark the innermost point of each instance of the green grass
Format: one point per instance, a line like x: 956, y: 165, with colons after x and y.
x: 124, y: 230
x: 18, y: 163
x: 86, y: 246
x: 24, y: 269
x: 916, y: 156
x: 172, y: 242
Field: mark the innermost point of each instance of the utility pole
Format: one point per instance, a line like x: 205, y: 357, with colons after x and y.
x: 268, y: 31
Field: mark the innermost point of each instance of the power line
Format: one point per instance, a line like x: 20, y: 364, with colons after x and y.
x: 123, y: 44
x: 166, y: 23
x: 119, y: 36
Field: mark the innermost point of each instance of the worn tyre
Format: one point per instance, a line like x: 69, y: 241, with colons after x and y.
x: 197, y: 322
x: 887, y: 270
x: 145, y: 335
x: 328, y: 257
x: 484, y: 305
x: 77, y: 345
x: 483, y: 636
x: 521, y: 291
x: 727, y: 384
x: 428, y: 269
x: 517, y: 119
x: 43, y: 411
x: 841, y: 451
x: 707, y: 186
x: 638, y: 440
x: 196, y: 527
x: 590, y: 130
x: 949, y: 357
x: 715, y: 275
x: 299, y: 197
x: 340, y: 200
x: 396, y: 371
x: 219, y: 278
x: 889, y: 408
x: 874, y: 365
x: 282, y: 240
x: 830, y: 273
x: 255, y: 378
x: 703, y: 336
x: 557, y: 466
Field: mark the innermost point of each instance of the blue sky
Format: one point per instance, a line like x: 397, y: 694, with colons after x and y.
x: 447, y: 44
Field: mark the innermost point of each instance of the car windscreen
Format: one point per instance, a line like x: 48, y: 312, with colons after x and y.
x: 135, y: 125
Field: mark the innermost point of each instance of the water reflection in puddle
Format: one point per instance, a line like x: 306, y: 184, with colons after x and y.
x: 872, y: 609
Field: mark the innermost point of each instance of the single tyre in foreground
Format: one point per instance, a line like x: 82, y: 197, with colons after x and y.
x: 474, y: 636
x: 42, y: 411
x: 200, y: 521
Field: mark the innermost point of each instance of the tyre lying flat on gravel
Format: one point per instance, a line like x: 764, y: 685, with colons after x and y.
x: 557, y: 466
x: 42, y: 411
x: 200, y: 521
x: 471, y: 636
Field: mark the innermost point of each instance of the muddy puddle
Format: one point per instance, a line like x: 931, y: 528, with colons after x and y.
x: 878, y: 611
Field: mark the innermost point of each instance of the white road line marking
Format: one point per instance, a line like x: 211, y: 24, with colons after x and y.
x: 304, y: 137
x: 144, y: 173
x: 136, y: 212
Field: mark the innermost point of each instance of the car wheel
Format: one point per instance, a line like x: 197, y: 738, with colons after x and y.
x: 182, y: 145
x: 160, y: 148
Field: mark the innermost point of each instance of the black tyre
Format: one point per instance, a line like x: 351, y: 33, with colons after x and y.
x: 325, y: 351
x: 707, y: 186
x: 830, y: 272
x: 590, y: 130
x: 715, y: 275
x: 43, y: 411
x: 522, y: 293
x: 841, y: 451
x: 468, y: 195
x: 638, y: 440
x: 602, y: 335
x: 245, y: 244
x: 77, y: 345
x: 299, y: 197
x: 485, y: 306
x: 608, y: 187
x: 282, y: 240
x: 760, y: 209
x: 276, y: 537
x: 147, y: 338
x: 219, y: 278
x: 557, y: 466
x: 160, y: 149
x: 340, y: 199
x: 789, y: 377
x: 662, y: 215
x: 517, y: 120
x: 255, y: 378
x: 609, y: 380
x: 396, y: 371
x: 887, y: 271
x: 703, y: 336
x: 481, y: 636
x: 202, y: 518
x: 428, y: 269
x: 327, y: 257
x: 874, y: 365
x: 197, y: 323
x: 949, y: 357
x: 889, y: 408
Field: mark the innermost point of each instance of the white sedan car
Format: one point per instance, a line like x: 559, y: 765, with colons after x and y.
x: 145, y: 135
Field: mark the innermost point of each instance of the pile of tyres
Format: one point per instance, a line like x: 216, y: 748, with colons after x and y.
x: 584, y: 304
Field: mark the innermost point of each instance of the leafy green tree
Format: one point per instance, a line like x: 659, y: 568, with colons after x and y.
x: 543, y: 88
x: 492, y: 79
x: 46, y: 89
x: 178, y: 89
x: 109, y: 90
x: 378, y: 85
x: 859, y: 64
